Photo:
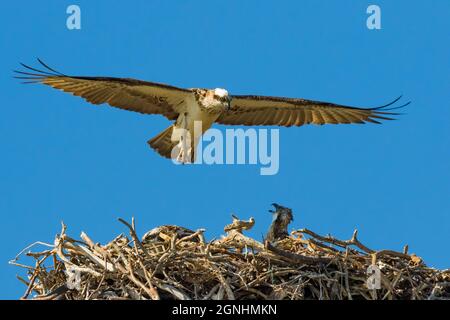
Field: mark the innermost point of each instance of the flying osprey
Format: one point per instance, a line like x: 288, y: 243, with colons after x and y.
x: 185, y: 106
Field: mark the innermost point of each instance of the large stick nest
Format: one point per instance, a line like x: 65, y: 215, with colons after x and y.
x: 171, y: 262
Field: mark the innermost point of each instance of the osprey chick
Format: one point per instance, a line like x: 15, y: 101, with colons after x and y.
x: 281, y: 218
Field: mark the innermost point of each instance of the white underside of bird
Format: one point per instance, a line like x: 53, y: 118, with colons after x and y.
x: 186, y: 133
x: 194, y: 119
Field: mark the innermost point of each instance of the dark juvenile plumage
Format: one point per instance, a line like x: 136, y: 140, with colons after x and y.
x: 282, y: 216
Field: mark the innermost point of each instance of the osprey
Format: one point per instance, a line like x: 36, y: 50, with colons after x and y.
x: 281, y: 218
x: 186, y: 106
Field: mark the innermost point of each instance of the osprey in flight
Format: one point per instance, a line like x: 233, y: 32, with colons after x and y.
x: 186, y: 106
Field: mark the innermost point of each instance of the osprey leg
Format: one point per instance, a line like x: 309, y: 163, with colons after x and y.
x: 181, y: 134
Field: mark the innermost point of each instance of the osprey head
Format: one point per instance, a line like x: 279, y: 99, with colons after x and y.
x: 281, y: 213
x: 222, y: 95
x: 215, y: 99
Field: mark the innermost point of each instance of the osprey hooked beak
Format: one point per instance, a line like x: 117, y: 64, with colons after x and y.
x: 280, y: 209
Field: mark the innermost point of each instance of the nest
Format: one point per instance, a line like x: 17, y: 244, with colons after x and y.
x: 171, y: 262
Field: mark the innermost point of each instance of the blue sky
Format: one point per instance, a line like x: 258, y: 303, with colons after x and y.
x: 63, y: 159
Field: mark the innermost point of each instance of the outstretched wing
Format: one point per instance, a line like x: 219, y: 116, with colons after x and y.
x: 129, y: 94
x: 261, y: 110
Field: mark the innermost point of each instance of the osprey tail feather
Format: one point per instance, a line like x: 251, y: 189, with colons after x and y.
x: 163, y: 144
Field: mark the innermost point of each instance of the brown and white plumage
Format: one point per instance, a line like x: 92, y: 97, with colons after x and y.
x: 209, y: 106
x: 261, y: 110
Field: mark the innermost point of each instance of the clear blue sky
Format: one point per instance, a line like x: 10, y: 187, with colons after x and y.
x: 63, y: 159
